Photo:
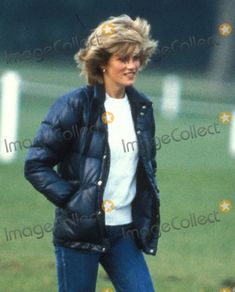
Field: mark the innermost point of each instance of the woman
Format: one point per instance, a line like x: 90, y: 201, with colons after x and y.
x: 101, y: 136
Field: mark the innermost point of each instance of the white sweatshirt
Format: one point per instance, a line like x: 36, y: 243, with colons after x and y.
x: 120, y: 189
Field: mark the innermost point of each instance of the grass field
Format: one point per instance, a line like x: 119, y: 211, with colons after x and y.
x: 194, y: 176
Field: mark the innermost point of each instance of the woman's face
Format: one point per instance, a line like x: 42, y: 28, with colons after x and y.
x: 122, y: 70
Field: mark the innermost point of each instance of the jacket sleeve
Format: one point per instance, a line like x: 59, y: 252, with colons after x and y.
x: 46, y: 151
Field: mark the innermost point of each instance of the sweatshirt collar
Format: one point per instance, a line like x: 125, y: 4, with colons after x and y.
x: 134, y: 96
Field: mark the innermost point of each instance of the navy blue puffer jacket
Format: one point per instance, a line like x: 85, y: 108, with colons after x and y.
x: 73, y: 137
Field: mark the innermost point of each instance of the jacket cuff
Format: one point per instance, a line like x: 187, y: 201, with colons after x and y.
x: 150, y: 251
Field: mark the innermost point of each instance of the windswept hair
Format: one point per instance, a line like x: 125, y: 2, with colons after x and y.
x: 117, y: 35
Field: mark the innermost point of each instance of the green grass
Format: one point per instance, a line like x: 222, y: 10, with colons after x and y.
x: 194, y: 176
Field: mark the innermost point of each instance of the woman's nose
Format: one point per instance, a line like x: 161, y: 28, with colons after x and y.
x: 131, y: 63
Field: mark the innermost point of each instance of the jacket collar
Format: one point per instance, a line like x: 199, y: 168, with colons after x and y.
x: 134, y: 96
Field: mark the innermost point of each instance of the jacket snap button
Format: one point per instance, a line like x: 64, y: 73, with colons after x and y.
x: 99, y: 182
x: 151, y: 250
x: 143, y: 106
x: 141, y: 113
x: 138, y: 132
x: 103, y: 249
x: 104, y: 156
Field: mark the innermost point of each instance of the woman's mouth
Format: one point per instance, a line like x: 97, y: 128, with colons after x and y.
x: 130, y: 74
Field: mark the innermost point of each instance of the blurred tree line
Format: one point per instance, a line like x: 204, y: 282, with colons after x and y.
x: 187, y: 30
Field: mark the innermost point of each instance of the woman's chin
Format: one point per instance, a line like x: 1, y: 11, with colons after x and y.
x: 129, y: 82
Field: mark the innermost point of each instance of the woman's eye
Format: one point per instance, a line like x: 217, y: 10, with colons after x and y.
x: 123, y: 59
x: 137, y: 57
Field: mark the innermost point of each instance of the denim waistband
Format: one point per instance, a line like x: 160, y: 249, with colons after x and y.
x: 123, y: 226
x: 117, y: 232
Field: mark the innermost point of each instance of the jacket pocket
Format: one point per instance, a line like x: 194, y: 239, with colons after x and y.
x: 72, y: 226
x: 83, y: 201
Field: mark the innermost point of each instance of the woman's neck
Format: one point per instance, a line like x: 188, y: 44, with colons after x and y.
x: 115, y: 91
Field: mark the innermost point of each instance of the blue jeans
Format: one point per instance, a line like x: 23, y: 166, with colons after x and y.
x: 125, y: 265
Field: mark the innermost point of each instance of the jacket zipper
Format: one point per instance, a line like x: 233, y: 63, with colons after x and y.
x: 144, y: 164
x: 101, y: 211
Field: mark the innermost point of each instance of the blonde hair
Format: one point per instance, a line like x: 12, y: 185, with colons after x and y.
x: 116, y: 35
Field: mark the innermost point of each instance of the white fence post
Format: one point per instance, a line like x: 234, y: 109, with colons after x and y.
x: 232, y: 135
x: 171, y: 96
x: 10, y: 93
